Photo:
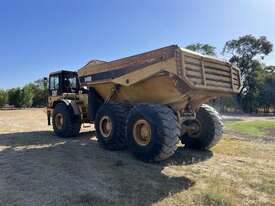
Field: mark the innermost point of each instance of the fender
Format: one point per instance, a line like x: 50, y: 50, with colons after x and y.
x: 71, y: 103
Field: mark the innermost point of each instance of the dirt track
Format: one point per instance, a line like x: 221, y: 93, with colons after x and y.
x: 38, y: 168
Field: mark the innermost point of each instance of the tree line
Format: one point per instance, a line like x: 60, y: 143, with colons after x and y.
x: 247, y: 52
x: 31, y: 95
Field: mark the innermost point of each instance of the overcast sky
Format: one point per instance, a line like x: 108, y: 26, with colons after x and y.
x: 38, y: 37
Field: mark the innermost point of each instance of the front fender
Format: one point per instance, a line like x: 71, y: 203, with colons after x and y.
x: 72, y: 104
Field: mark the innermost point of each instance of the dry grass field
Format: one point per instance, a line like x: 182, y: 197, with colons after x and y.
x: 37, y: 168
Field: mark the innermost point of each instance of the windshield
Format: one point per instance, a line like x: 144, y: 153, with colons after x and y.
x: 70, y: 83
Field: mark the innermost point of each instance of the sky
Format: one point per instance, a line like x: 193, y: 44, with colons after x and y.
x: 38, y: 37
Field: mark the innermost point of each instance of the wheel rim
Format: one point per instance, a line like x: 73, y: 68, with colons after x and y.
x: 105, y: 126
x: 59, y: 121
x: 142, y: 132
x: 196, y: 124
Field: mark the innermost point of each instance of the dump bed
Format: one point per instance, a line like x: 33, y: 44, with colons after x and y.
x: 196, y: 70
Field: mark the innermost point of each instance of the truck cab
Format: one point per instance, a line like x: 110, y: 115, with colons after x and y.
x: 63, y: 82
x: 66, y: 93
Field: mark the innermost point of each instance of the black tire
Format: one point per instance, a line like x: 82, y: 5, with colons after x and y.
x: 164, y: 130
x: 71, y: 125
x: 211, y: 130
x: 117, y: 113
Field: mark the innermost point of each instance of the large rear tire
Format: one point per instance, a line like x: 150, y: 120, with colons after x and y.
x: 210, y: 129
x: 152, y: 132
x: 110, y: 126
x: 65, y: 123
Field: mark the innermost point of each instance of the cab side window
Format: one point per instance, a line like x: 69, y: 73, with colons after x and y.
x: 54, y: 84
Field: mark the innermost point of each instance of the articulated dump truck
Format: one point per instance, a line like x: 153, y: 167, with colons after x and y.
x: 146, y: 103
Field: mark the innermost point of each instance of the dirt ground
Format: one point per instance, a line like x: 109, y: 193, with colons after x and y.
x: 37, y: 168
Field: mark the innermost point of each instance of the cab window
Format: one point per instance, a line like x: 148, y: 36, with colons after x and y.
x: 54, y: 83
x: 70, y: 84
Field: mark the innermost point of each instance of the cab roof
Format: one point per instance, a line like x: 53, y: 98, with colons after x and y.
x: 63, y: 72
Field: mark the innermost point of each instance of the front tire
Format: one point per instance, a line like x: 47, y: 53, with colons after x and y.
x: 152, y: 132
x: 65, y: 123
x: 210, y: 129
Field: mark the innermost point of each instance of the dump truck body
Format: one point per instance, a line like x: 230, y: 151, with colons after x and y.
x: 169, y: 76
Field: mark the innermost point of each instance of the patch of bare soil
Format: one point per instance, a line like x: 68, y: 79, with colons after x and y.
x: 37, y: 168
x: 270, y: 132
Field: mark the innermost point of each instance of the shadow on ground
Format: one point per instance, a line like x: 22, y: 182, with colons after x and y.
x: 39, y: 168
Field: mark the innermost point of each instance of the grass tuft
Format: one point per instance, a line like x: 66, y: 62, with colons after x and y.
x: 213, y: 199
x: 266, y: 185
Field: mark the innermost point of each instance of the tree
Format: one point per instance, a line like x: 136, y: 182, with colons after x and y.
x: 40, y: 93
x: 247, y: 53
x: 205, y: 49
x: 267, y: 91
x: 250, y: 98
x: 15, y: 97
x: 28, y: 95
x: 3, y: 98
x: 32, y: 95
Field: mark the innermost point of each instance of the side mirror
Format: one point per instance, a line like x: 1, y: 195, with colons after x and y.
x: 45, y: 81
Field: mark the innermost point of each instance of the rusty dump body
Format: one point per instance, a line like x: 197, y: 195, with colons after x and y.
x: 171, y: 76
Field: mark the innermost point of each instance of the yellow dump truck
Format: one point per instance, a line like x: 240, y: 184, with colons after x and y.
x: 147, y: 102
